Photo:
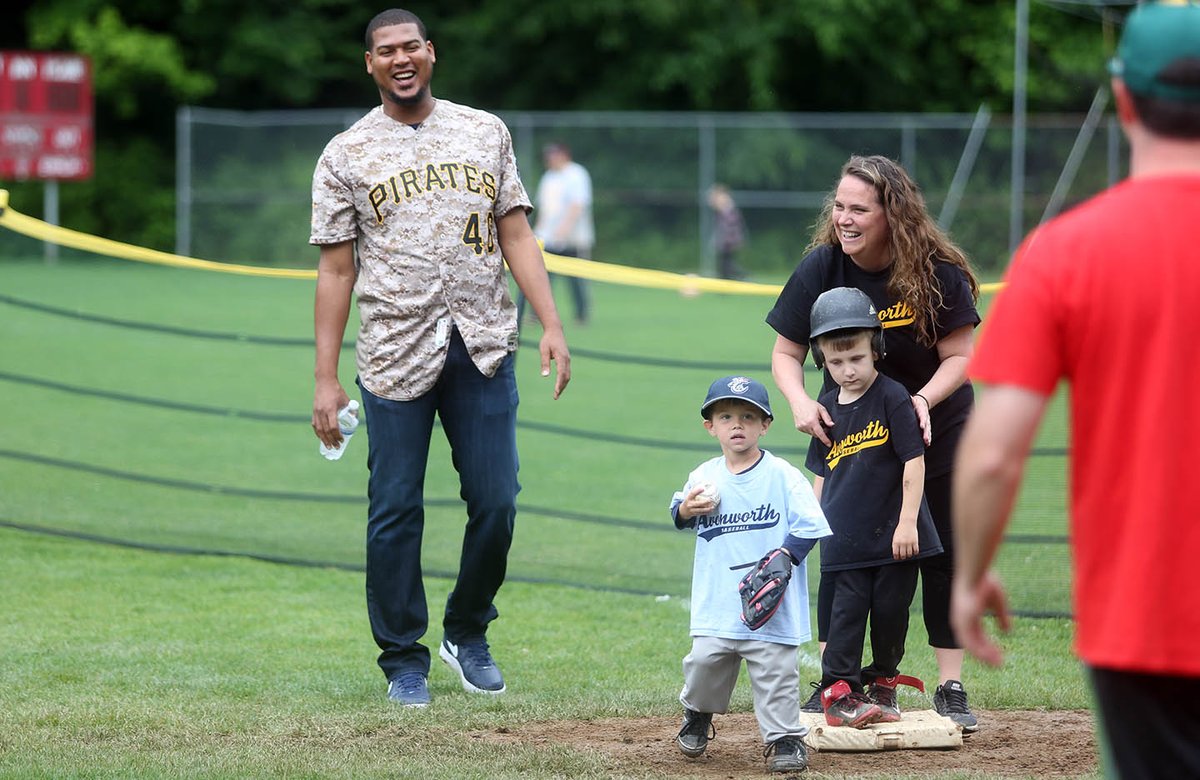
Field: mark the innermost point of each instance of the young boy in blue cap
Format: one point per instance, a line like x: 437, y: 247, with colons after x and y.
x: 741, y: 505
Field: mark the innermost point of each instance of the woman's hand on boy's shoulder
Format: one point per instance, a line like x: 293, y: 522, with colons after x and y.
x: 921, y: 407
x: 812, y: 418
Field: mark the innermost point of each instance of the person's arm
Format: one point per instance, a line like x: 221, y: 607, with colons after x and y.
x: 954, y: 352
x: 818, y: 485
x: 528, y: 268
x: 987, y: 474
x: 331, y: 310
x: 798, y: 548
x: 905, y: 540
x: 787, y: 368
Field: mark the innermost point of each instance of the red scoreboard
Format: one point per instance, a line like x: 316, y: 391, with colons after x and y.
x: 45, y: 115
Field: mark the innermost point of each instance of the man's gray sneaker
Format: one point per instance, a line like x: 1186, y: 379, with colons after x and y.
x: 409, y: 690
x: 696, y: 732
x: 475, y: 666
x: 950, y: 700
x: 786, y: 754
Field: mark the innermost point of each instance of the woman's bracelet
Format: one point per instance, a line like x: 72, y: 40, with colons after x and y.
x: 923, y: 398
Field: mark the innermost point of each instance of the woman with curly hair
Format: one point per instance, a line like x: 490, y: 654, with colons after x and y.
x: 876, y: 234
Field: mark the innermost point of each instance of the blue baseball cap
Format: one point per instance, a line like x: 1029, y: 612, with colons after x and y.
x: 1156, y: 36
x: 740, y: 388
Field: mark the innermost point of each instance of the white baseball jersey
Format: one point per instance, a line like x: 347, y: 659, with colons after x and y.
x: 421, y: 205
x: 758, y: 509
x: 557, y: 192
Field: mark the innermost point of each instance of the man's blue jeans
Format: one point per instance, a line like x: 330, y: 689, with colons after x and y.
x: 478, y: 415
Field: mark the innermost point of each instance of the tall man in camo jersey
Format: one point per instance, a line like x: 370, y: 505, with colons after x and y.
x: 416, y: 208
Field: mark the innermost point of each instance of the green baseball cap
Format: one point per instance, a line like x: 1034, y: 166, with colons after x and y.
x: 1155, y: 36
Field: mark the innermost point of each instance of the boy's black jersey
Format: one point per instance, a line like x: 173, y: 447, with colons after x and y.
x: 873, y: 437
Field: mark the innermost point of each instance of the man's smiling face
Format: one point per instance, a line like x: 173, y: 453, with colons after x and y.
x: 401, y: 63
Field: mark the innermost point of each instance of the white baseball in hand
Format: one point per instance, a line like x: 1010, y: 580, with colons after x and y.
x: 708, y: 492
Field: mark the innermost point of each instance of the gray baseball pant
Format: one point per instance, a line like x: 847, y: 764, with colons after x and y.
x: 710, y: 672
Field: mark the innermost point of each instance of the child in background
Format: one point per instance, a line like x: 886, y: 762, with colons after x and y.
x: 869, y: 483
x: 729, y: 231
x: 742, y: 505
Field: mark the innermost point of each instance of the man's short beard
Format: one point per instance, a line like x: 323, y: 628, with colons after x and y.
x: 415, y: 100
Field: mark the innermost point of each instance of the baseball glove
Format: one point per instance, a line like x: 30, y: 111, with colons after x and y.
x: 763, y: 587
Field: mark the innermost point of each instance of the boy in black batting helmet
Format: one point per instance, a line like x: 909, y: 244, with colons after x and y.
x: 869, y: 482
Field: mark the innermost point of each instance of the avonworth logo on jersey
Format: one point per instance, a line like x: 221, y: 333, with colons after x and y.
x: 710, y: 527
x: 441, y: 176
x: 873, y: 435
x: 897, y: 315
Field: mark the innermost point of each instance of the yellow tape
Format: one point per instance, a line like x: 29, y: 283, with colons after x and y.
x: 36, y: 228
x: 571, y: 266
x: 646, y: 277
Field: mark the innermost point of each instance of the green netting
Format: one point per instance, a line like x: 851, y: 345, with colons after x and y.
x: 246, y: 193
x: 169, y: 407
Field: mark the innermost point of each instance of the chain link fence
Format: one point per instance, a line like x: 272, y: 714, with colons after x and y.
x: 243, y: 179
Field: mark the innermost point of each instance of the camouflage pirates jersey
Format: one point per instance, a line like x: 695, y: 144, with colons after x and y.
x: 421, y: 205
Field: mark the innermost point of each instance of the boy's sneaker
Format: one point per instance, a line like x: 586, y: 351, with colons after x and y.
x: 882, y: 691
x: 696, y: 732
x: 950, y: 700
x: 786, y: 754
x: 475, y: 666
x: 814, y: 702
x: 844, y: 707
x: 409, y: 690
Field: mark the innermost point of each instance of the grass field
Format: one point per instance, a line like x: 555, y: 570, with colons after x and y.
x: 158, y: 453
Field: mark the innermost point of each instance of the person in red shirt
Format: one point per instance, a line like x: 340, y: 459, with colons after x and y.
x: 1070, y: 310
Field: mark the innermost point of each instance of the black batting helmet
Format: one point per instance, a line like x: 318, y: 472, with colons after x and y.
x: 843, y: 308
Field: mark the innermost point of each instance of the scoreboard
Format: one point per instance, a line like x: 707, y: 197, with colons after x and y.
x: 46, y: 130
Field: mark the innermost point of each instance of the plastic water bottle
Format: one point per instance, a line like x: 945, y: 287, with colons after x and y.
x: 347, y: 422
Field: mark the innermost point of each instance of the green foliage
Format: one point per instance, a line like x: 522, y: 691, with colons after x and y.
x: 820, y: 55
x: 279, y: 54
x: 676, y: 55
x: 133, y: 67
x: 131, y: 197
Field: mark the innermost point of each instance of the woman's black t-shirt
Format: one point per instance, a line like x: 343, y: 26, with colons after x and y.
x: 908, y: 361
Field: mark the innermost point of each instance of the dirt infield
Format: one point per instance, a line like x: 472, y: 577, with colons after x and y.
x: 1010, y: 743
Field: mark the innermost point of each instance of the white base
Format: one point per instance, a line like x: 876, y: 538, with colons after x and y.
x: 920, y: 729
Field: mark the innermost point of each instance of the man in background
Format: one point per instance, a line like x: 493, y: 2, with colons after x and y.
x: 564, y: 219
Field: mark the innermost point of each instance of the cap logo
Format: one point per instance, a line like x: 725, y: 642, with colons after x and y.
x: 739, y: 384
